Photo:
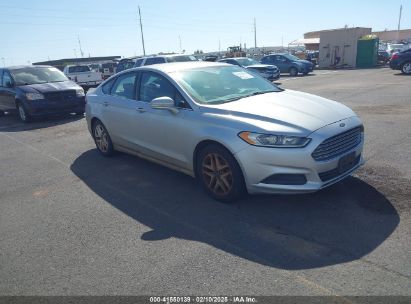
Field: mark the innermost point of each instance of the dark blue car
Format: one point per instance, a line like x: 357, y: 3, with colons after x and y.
x: 38, y: 91
x: 401, y: 61
x: 288, y: 63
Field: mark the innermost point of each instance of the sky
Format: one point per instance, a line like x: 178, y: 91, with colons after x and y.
x: 39, y: 30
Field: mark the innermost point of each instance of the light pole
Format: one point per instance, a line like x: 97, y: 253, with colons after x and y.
x: 4, y: 61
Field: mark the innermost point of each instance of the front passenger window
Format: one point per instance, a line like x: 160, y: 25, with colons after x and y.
x: 124, y: 86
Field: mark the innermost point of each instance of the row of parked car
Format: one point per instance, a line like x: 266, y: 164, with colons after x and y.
x: 270, y: 66
x: 43, y: 90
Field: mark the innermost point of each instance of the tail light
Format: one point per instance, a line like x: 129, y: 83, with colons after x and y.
x: 394, y: 56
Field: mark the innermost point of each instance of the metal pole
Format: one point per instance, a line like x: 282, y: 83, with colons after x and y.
x: 399, y: 19
x: 255, y: 34
x: 179, y: 40
x: 141, y: 29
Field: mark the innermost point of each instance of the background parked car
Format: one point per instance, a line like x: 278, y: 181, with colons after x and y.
x: 288, y: 63
x: 401, y: 61
x: 163, y: 59
x: 83, y: 75
x: 270, y: 72
x: 125, y: 64
x: 107, y: 69
x: 383, y: 56
x: 37, y: 91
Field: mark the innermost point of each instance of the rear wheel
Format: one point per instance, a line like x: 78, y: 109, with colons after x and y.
x: 406, y: 68
x: 22, y: 112
x: 102, y: 139
x: 293, y: 71
x: 219, y: 174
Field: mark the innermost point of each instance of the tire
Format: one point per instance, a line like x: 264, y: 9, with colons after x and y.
x: 293, y: 71
x: 102, y: 139
x: 219, y: 174
x: 406, y: 68
x: 22, y: 113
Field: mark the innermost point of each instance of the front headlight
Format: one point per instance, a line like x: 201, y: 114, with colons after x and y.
x: 273, y: 140
x: 34, y: 96
x: 80, y: 93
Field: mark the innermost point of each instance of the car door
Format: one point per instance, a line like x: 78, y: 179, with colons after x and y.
x: 164, y: 132
x: 7, y: 92
x: 120, y: 110
x: 281, y: 62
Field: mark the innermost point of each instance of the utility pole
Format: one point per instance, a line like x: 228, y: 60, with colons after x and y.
x: 399, y: 19
x: 179, y: 40
x: 4, y: 61
x: 79, y: 43
x: 141, y: 29
x: 255, y: 34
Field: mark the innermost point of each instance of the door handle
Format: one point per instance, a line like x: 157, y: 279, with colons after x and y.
x: 105, y: 104
x: 141, y: 110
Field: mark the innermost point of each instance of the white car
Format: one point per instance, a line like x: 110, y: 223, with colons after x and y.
x: 230, y: 128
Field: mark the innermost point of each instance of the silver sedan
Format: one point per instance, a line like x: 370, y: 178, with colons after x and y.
x: 231, y: 129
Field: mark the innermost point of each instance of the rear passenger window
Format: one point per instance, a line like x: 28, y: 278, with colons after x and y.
x: 124, y: 86
x: 139, y: 62
x: 154, y: 60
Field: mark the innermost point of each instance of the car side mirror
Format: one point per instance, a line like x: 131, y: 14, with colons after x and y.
x: 164, y: 103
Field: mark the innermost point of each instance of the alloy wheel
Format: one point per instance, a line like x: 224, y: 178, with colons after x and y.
x: 101, y: 138
x: 22, y: 113
x: 217, y: 174
x: 406, y: 68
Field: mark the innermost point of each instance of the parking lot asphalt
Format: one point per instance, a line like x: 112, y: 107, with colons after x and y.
x: 75, y: 223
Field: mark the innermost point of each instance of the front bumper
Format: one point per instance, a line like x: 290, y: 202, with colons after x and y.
x: 259, y: 163
x: 46, y: 107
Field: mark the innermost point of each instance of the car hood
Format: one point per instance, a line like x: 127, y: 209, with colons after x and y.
x: 50, y: 87
x: 261, y: 66
x: 291, y: 112
x: 306, y: 62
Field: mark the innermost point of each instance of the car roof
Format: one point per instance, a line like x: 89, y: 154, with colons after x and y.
x: 180, y: 66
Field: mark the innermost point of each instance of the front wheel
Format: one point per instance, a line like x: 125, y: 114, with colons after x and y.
x: 293, y: 71
x: 406, y: 68
x: 102, y: 139
x: 219, y: 174
x: 22, y: 112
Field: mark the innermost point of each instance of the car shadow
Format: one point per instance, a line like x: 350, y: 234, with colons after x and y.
x: 9, y: 122
x: 337, y: 225
x: 401, y: 74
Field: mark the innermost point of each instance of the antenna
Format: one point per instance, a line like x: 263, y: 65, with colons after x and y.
x: 141, y: 29
x: 79, y: 43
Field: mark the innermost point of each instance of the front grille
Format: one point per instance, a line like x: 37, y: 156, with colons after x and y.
x: 328, y: 175
x: 61, y: 95
x: 338, y: 144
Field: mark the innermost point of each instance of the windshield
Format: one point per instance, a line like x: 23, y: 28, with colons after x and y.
x: 221, y: 84
x: 37, y: 75
x: 182, y: 58
x: 291, y: 57
x: 247, y: 61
